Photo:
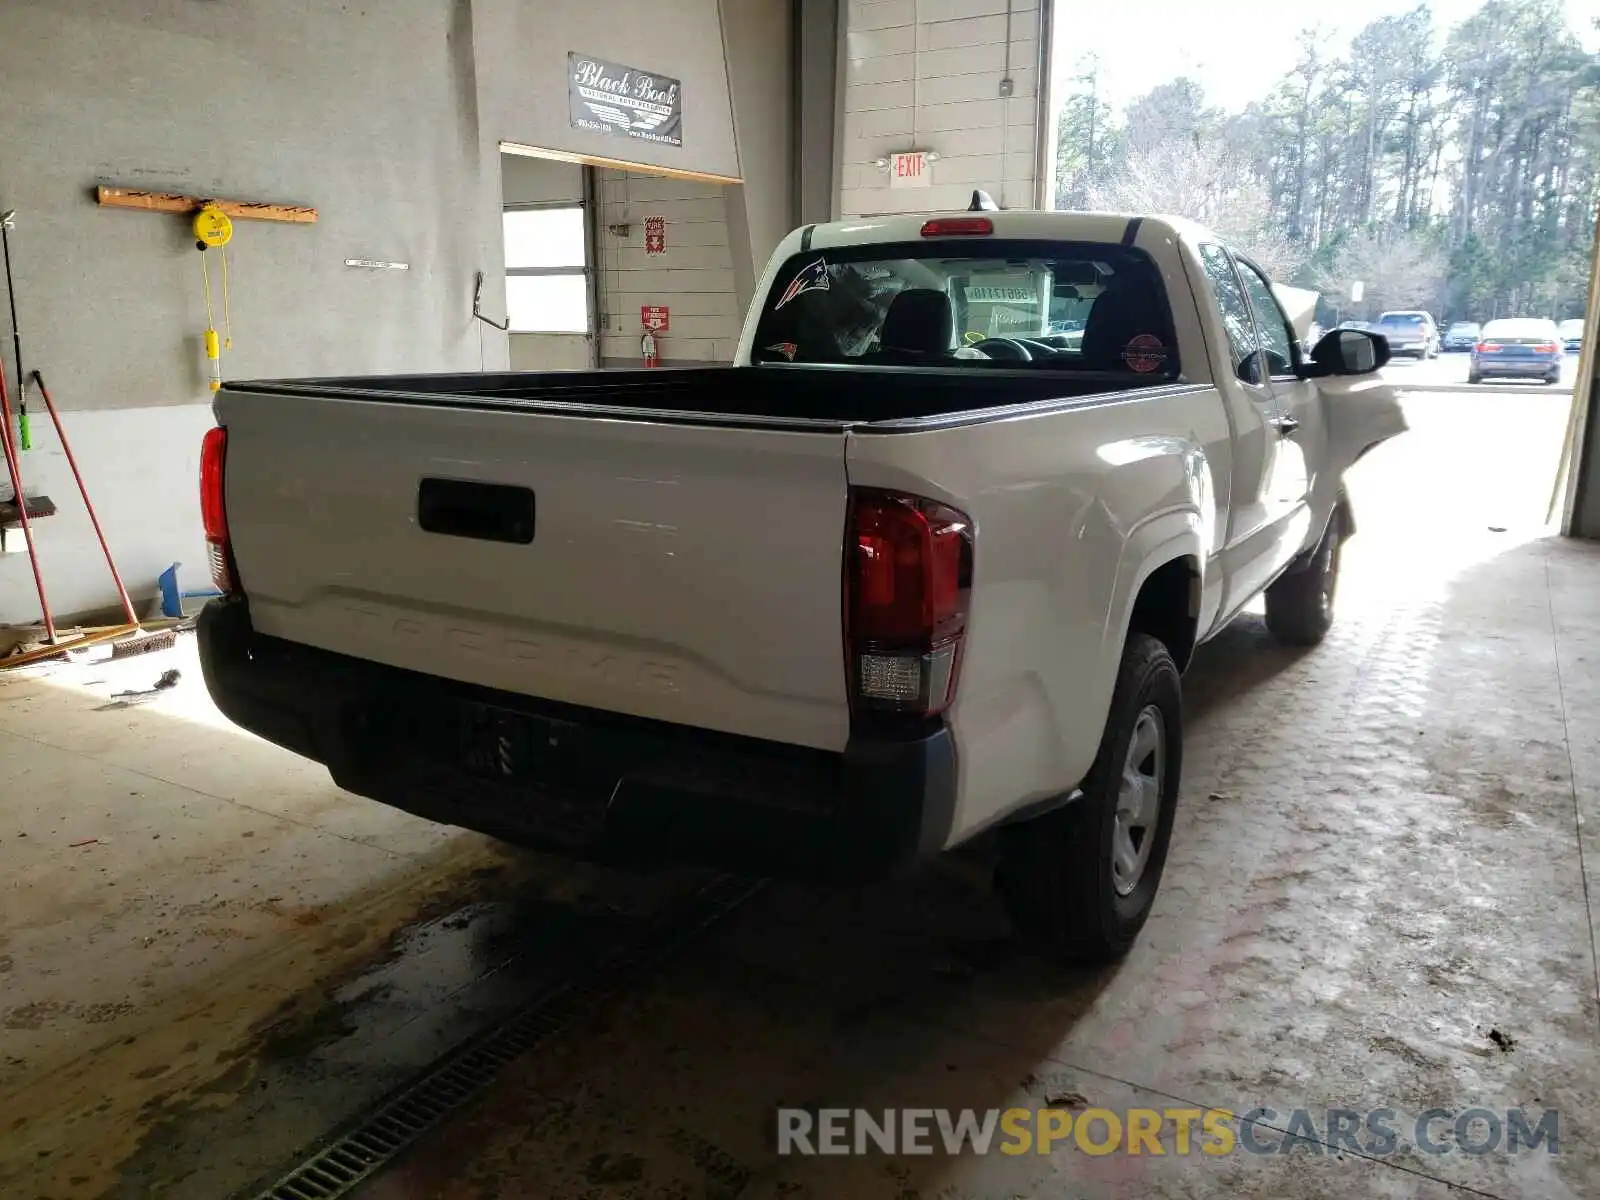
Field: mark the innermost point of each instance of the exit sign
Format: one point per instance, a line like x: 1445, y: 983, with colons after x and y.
x: 910, y: 169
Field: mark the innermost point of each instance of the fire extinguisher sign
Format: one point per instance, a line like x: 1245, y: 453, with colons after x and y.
x: 655, y: 317
x: 655, y: 235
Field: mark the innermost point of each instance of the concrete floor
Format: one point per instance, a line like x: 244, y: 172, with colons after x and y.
x: 208, y: 955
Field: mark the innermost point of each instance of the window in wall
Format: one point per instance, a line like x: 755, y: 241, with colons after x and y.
x: 547, y: 269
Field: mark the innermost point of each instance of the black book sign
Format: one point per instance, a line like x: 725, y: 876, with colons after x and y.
x: 610, y: 98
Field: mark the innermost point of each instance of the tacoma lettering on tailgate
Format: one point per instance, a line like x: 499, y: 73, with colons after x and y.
x: 617, y: 668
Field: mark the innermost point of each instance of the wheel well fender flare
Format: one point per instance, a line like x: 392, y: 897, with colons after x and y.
x: 1159, y: 582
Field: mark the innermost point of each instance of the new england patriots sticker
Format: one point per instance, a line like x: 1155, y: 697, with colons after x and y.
x: 810, y: 279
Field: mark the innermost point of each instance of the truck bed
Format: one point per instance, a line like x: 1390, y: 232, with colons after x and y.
x: 662, y: 543
x: 770, y: 394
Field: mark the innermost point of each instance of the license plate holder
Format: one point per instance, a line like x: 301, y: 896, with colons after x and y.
x: 513, y: 747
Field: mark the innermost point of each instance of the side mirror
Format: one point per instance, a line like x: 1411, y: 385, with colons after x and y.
x: 1347, y: 352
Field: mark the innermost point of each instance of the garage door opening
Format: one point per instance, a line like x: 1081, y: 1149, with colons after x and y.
x: 548, y: 237
x: 598, y: 253
x: 1427, y: 170
x: 665, y: 264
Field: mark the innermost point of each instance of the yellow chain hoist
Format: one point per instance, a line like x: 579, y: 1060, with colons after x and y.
x: 213, y: 230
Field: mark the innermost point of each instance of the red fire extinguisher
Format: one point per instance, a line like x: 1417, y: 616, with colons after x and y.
x: 652, y: 356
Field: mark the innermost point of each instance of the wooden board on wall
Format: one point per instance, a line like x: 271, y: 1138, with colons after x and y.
x: 179, y: 205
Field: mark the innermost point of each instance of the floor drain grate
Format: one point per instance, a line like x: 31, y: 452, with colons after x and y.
x: 351, y: 1158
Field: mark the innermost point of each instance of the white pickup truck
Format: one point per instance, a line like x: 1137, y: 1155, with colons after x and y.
x: 926, y: 561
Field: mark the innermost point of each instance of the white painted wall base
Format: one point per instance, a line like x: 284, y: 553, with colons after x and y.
x: 550, y: 352
x: 142, y: 468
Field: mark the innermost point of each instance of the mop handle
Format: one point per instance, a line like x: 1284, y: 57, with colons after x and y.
x: 25, y: 436
x: 66, y: 449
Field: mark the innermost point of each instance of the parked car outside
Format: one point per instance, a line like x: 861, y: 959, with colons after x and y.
x: 1462, y: 335
x: 1572, y: 335
x: 1410, y: 331
x: 1517, y: 348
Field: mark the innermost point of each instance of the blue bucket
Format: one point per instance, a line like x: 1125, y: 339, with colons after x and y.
x: 172, y: 597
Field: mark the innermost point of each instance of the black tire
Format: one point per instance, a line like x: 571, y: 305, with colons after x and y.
x: 1055, y: 874
x: 1474, y: 377
x: 1552, y: 379
x: 1300, y: 603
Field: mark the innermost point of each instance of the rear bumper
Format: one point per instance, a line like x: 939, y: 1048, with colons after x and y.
x: 625, y: 789
x: 1517, y: 368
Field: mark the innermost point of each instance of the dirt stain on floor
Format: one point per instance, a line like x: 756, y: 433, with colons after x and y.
x: 94, y: 1107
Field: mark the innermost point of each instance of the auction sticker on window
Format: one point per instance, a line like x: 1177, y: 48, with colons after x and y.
x: 1002, y: 295
x: 1144, y: 353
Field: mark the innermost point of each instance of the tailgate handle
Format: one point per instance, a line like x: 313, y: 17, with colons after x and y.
x: 489, y: 512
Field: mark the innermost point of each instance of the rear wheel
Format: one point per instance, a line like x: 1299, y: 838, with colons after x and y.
x: 1081, y: 880
x: 1474, y: 377
x: 1300, y: 604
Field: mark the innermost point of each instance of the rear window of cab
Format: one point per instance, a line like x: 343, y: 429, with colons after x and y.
x: 1082, y: 307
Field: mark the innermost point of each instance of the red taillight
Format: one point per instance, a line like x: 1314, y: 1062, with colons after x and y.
x: 1546, y: 348
x: 957, y: 226
x: 214, y: 507
x: 1487, y: 347
x: 908, y: 579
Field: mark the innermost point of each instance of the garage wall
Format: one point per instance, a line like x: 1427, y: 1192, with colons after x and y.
x: 522, y: 48
x: 366, y: 112
x: 817, y: 50
x: 926, y: 75
x: 694, y: 278
x: 759, y: 38
x: 213, y: 100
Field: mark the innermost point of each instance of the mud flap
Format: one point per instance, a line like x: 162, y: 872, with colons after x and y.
x: 1347, y: 517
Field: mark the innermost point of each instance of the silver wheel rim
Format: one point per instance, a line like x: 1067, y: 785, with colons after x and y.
x: 1330, y: 577
x: 1144, y: 774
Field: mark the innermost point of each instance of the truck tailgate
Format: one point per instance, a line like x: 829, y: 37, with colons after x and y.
x: 683, y: 572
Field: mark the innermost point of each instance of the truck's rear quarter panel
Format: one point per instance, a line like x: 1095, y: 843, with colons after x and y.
x: 684, y: 573
x: 1065, y: 504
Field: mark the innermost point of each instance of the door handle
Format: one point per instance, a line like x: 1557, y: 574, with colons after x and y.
x: 1286, y: 426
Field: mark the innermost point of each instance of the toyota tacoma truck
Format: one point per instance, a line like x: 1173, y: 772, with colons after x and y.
x: 927, y: 560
